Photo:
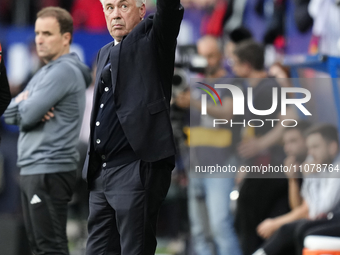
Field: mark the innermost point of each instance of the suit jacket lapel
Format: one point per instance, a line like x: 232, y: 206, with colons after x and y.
x: 101, y: 64
x: 114, y: 59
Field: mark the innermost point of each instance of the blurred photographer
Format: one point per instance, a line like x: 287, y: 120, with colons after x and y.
x: 179, y: 113
x: 208, y: 197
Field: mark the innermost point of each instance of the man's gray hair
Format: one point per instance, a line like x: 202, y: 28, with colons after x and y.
x: 139, y: 3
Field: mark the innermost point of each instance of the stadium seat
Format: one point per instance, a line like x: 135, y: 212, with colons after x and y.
x: 321, y: 245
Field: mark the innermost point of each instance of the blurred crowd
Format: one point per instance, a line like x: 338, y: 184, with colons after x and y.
x: 275, y: 210
x: 247, y: 213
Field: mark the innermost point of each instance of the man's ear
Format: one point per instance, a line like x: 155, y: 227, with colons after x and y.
x: 142, y: 11
x: 67, y: 38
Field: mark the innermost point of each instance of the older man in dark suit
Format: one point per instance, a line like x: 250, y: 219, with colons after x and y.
x: 131, y: 148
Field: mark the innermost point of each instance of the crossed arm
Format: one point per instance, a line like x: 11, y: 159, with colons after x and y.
x: 32, y: 107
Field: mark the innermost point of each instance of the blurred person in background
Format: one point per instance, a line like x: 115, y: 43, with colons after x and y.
x: 326, y: 34
x: 211, y: 220
x: 131, y: 148
x: 49, y: 113
x: 5, y: 95
x: 260, y: 196
x: 281, y: 73
x: 321, y: 195
x: 294, y: 144
x: 235, y: 37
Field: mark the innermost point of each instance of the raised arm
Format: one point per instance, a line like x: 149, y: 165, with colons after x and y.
x: 167, y: 21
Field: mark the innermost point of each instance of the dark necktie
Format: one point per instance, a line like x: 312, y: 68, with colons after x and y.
x: 105, y: 78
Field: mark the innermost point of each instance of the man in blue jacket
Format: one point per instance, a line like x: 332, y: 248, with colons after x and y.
x: 131, y: 148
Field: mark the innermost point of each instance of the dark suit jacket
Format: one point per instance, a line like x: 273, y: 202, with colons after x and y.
x: 142, y: 69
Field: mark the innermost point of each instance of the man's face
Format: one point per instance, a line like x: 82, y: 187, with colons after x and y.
x: 50, y: 43
x: 122, y: 16
x: 295, y: 144
x: 229, y: 49
x: 322, y: 151
x: 210, y: 51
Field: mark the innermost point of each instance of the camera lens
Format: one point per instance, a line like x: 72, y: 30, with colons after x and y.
x: 176, y: 80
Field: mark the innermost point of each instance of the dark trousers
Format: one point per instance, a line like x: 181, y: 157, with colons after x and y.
x: 290, y: 237
x: 124, y: 206
x: 44, y: 202
x: 259, y: 199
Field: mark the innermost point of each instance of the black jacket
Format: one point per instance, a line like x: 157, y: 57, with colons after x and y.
x: 142, y: 71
